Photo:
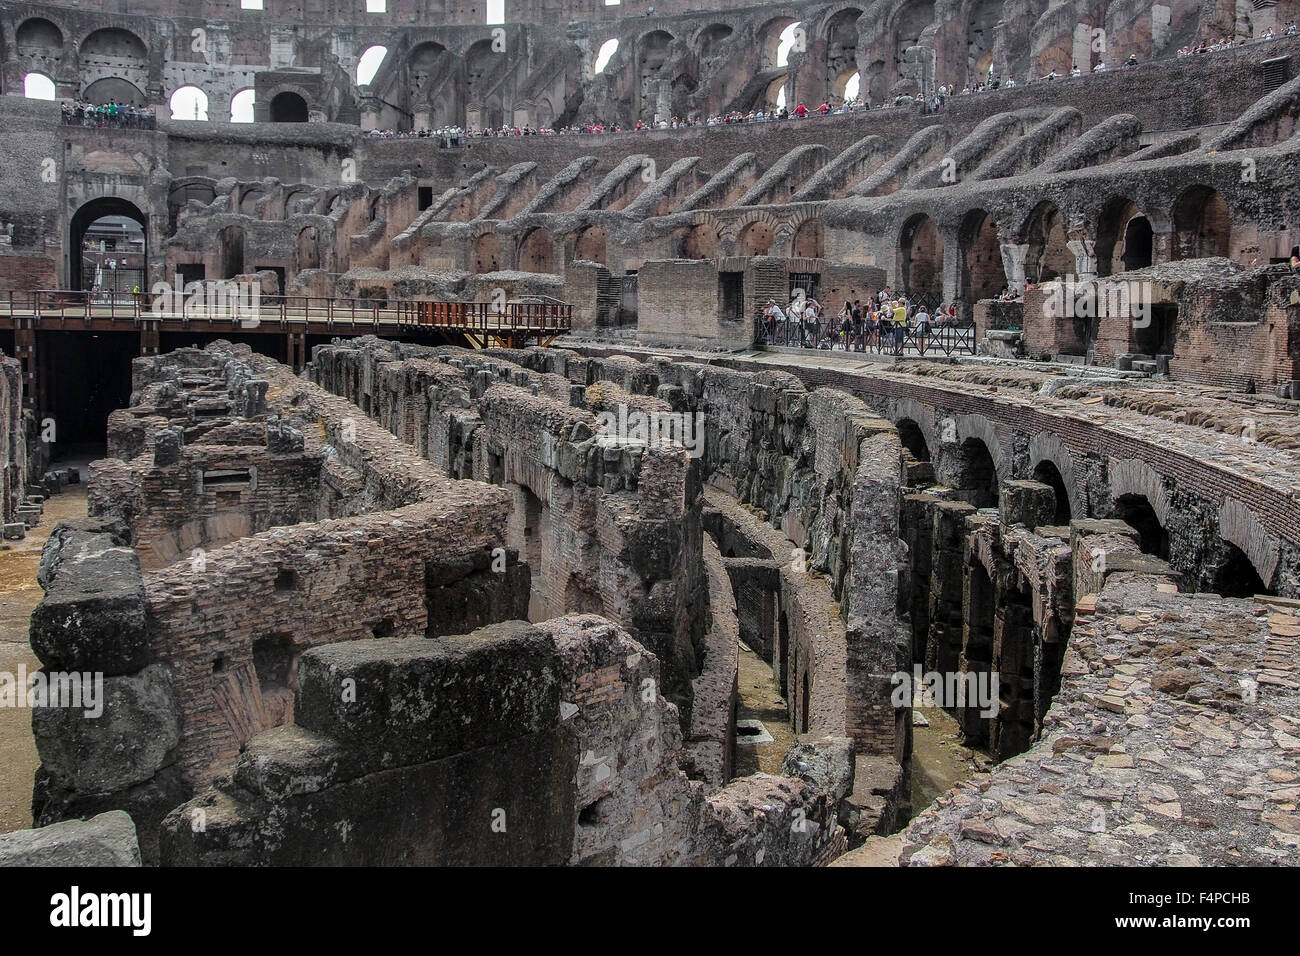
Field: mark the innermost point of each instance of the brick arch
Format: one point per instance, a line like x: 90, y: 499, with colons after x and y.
x: 755, y: 232
x: 1132, y: 476
x: 536, y: 251
x: 1238, y: 525
x: 909, y: 409
x: 977, y: 426
x: 1048, y: 447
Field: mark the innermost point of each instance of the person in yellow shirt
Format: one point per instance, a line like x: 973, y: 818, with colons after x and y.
x: 900, y: 324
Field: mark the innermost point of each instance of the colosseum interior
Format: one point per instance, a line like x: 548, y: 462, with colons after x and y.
x: 443, y: 433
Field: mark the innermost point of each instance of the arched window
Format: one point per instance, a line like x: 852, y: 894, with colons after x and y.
x: 38, y: 86
x: 789, y: 36
x: 851, y: 87
x: 189, y: 103
x: 607, y: 50
x: 369, y: 64
x: 241, y: 107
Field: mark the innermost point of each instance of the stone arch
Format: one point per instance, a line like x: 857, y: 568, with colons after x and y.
x: 86, y: 216
x: 1047, y: 447
x: 755, y: 238
x: 1125, y: 238
x: 113, y: 89
x: 767, y: 39
x: 701, y: 241
x: 114, y: 44
x: 38, y: 37
x: 482, y: 109
x: 809, y: 240
x: 921, y: 258
x: 907, y: 24
x: 591, y: 245
x: 982, y: 274
x: 487, y: 253
x: 709, y: 38
x: 308, y: 248
x: 188, y: 103
x: 1048, y: 256
x: 243, y: 105
x: 912, y: 438
x: 840, y: 33
x: 1239, y: 526
x: 39, y: 86
x: 537, y: 251
x: 981, y: 465
x: 1135, y: 478
x: 288, y: 107
x: 923, y: 417
x: 1202, y: 224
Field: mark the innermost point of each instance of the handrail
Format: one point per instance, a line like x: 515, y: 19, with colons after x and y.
x: 286, y: 311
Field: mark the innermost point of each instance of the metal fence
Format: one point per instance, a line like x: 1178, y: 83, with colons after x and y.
x: 947, y: 339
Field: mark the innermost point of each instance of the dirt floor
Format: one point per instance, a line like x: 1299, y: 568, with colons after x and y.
x: 938, y: 758
x: 19, y: 594
x: 760, y: 699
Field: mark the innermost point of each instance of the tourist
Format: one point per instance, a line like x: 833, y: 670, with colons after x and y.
x: 922, y: 328
x: 1295, y: 259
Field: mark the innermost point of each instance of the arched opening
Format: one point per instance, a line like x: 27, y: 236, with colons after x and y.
x: 774, y: 40
x: 976, y: 476
x: 482, y: 66
x: 591, y: 245
x: 113, y: 89
x: 774, y: 95
x: 710, y: 40
x: 980, y: 34
x: 1048, y: 257
x: 189, y: 103
x: 982, y: 275
x: 922, y: 259
x: 652, y: 55
x: 1235, y: 576
x: 604, y: 55
x: 1047, y: 473
x: 38, y: 86
x: 913, y: 439
x: 308, y: 249
x: 114, y: 46
x: 537, y: 252
x: 231, y: 239
x: 108, y: 246
x: 487, y: 253
x: 241, y: 106
x: 368, y: 64
x: 431, y: 72
x: 1137, y: 513
x: 250, y: 200
x: 809, y: 240
x: 39, y: 38
x: 1124, y: 238
x: 852, y: 87
x: 755, y: 239
x: 908, y: 26
x: 700, y: 242
x: 842, y: 51
x: 288, y: 107
x: 1202, y: 224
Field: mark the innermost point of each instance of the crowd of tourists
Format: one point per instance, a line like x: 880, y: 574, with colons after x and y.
x: 1227, y: 43
x: 114, y: 114
x: 888, y: 322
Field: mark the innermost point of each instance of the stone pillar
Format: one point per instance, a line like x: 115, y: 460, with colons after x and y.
x: 1085, y: 259
x: 1013, y: 263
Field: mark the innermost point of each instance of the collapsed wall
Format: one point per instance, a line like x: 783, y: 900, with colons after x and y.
x: 525, y: 744
x: 200, y: 654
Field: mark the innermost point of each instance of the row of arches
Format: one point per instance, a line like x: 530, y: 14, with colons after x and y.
x: 1125, y: 239
x: 976, y: 467
x: 185, y: 102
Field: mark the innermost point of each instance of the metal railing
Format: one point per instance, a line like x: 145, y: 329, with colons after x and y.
x: 290, y: 312
x: 946, y: 339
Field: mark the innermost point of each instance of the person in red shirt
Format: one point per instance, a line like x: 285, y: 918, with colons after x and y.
x: 801, y: 111
x: 824, y: 109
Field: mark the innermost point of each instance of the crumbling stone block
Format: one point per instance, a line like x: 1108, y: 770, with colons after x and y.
x: 108, y: 839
